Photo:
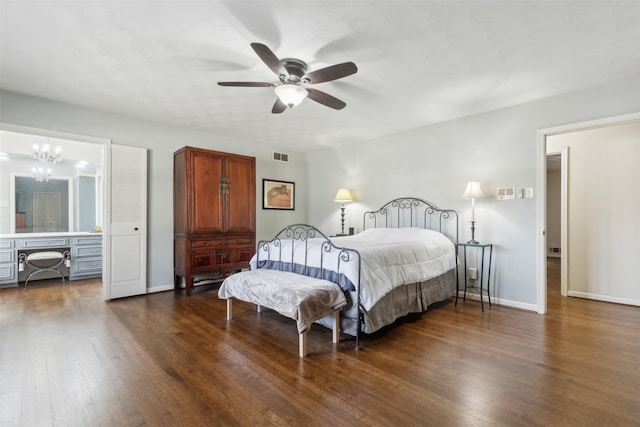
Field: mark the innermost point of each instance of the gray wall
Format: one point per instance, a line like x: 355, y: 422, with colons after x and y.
x: 161, y: 140
x: 497, y: 148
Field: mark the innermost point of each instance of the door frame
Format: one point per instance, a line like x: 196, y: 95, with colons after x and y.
x: 106, y: 186
x: 541, y: 203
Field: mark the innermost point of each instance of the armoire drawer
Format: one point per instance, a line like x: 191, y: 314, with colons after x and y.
x: 207, y: 243
x: 239, y: 241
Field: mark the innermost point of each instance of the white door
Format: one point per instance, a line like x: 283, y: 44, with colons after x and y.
x: 128, y: 223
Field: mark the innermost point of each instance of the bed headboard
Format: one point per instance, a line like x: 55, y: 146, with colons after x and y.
x: 303, y: 249
x: 413, y: 212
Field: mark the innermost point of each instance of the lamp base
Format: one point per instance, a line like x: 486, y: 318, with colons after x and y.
x: 473, y: 232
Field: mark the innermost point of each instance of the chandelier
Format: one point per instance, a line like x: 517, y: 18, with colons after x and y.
x: 41, y: 174
x: 45, y: 155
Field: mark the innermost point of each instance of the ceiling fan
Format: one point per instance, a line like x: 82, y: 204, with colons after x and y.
x: 293, y: 75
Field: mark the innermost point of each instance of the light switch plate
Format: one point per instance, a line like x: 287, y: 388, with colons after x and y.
x: 529, y: 193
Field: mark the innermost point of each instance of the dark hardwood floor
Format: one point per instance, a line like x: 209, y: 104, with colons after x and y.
x: 69, y: 359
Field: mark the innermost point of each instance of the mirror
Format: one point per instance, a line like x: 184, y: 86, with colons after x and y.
x: 68, y: 198
x: 38, y: 205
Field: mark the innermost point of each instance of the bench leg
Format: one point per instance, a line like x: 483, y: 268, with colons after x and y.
x: 302, y: 344
x: 336, y: 326
x: 229, y: 308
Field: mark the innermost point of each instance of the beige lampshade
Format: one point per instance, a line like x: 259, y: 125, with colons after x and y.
x: 343, y: 196
x: 473, y: 191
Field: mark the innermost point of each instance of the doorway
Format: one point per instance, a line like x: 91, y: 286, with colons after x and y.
x: 602, y: 205
x: 18, y: 142
x: 555, y: 247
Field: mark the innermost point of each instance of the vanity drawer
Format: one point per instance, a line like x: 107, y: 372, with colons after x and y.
x: 85, y: 267
x: 7, y: 256
x: 82, y: 241
x: 84, y: 251
x: 43, y: 243
x: 8, y: 273
x: 7, y: 244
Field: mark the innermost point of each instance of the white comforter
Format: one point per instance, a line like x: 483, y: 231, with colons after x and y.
x: 390, y: 258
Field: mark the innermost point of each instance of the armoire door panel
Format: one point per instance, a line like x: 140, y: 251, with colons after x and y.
x: 224, y: 257
x: 240, y: 200
x: 206, y: 203
x: 202, y: 259
x: 180, y: 194
x: 243, y: 255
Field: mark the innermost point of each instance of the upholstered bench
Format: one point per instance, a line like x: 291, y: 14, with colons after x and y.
x: 44, y: 261
x: 302, y: 298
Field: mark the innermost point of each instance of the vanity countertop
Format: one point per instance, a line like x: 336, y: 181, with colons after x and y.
x: 64, y: 234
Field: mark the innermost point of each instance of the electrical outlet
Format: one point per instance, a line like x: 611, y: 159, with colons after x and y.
x: 473, y: 273
x: 529, y: 193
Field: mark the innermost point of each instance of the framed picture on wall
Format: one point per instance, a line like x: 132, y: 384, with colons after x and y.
x: 278, y: 194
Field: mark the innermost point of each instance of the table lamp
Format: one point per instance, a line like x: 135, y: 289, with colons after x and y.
x: 343, y: 196
x: 473, y: 192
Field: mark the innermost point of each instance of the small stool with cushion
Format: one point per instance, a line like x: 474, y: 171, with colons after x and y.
x: 42, y: 262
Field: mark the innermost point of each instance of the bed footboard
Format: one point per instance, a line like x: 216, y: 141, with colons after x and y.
x: 303, y: 249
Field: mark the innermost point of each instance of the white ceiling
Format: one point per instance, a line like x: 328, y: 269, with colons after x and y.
x: 420, y: 62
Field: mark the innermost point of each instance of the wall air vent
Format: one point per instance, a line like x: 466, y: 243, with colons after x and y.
x: 280, y: 157
x: 506, y: 193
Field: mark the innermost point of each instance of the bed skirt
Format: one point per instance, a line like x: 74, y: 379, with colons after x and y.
x: 413, y: 298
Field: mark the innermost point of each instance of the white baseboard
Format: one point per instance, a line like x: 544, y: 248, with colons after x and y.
x: 499, y: 301
x: 605, y: 298
x: 161, y: 288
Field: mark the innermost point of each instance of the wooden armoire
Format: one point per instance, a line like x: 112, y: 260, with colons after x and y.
x: 214, y: 208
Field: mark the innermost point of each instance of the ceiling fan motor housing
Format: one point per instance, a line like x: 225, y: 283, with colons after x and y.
x: 296, y: 69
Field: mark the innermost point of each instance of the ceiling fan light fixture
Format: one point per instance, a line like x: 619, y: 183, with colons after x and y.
x: 290, y: 94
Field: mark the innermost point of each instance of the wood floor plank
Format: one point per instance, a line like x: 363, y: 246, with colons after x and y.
x: 69, y: 358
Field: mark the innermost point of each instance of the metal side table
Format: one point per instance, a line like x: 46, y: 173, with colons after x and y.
x: 480, y: 284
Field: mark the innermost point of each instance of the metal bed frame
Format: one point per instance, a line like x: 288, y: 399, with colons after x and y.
x: 272, y: 258
x: 397, y: 213
x: 413, y: 212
